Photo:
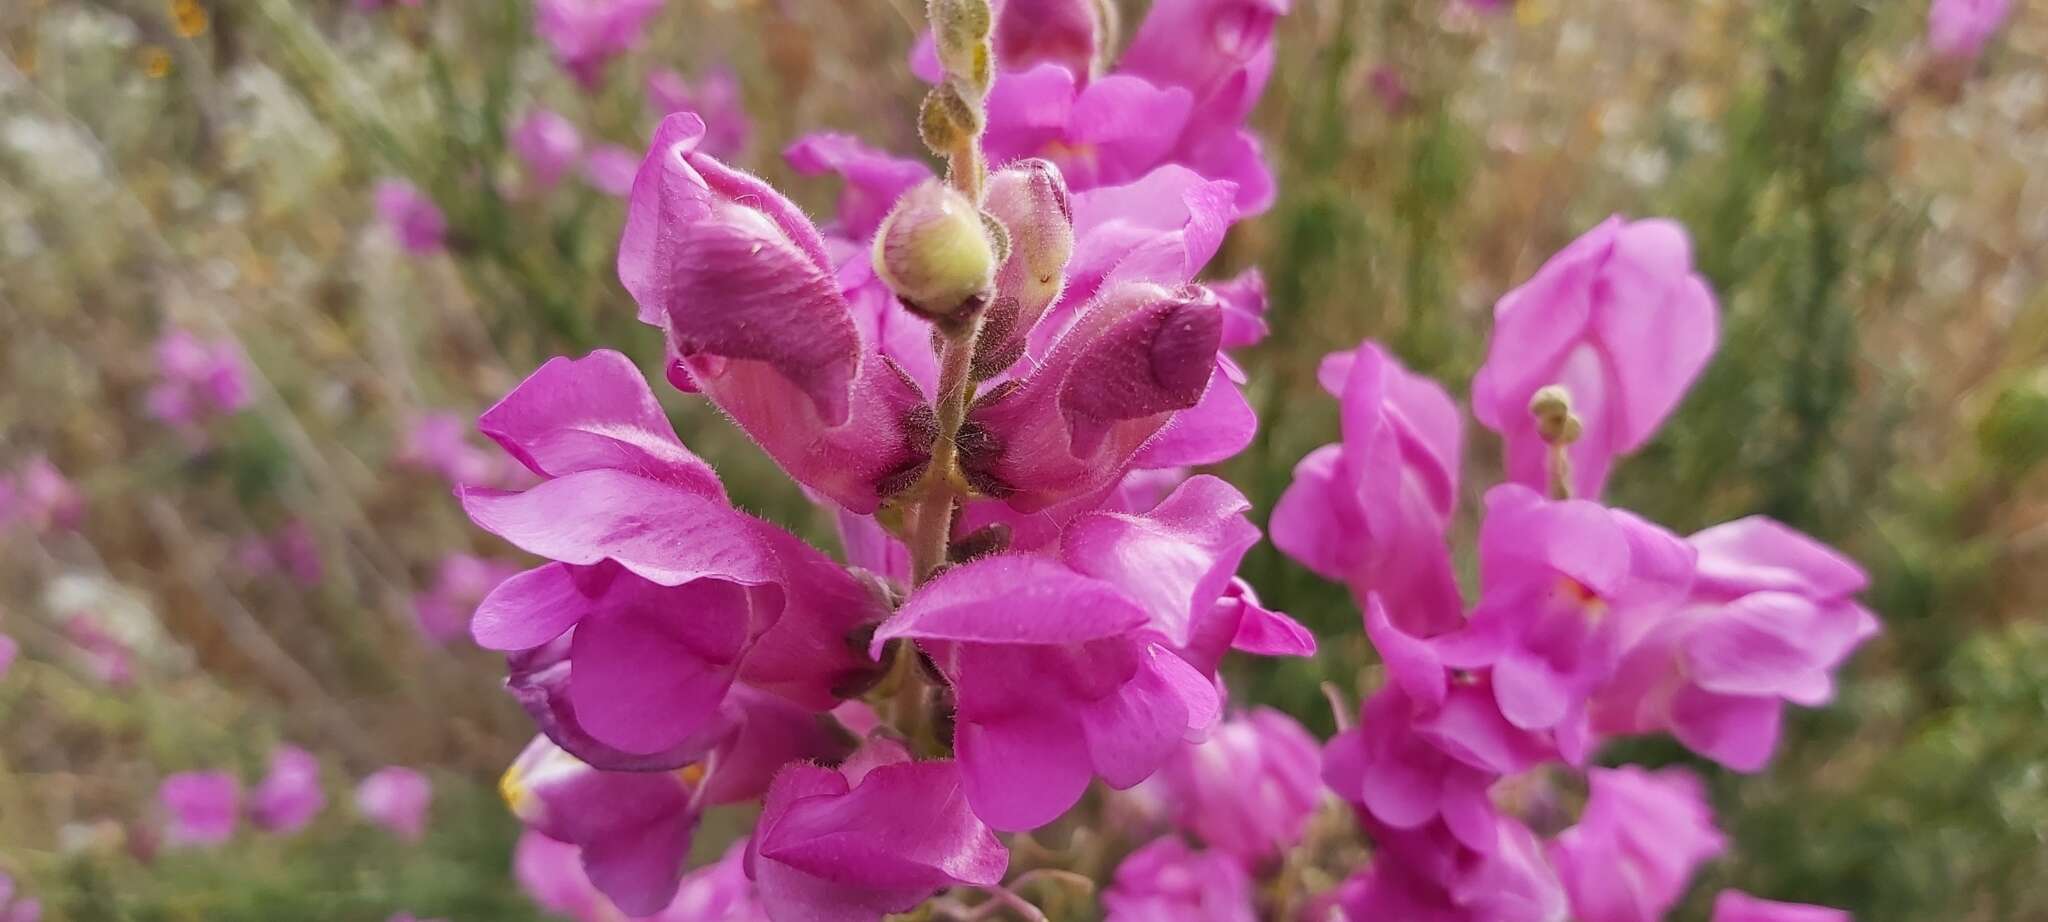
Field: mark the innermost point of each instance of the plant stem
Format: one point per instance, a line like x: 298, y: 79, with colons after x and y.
x: 933, y: 525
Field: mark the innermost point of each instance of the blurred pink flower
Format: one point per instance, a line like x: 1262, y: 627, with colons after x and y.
x: 1623, y: 323
x: 41, y: 498
x: 290, y: 796
x: 586, y: 34
x: 439, y: 441
x: 715, y: 97
x: 13, y: 906
x: 201, y: 808
x: 412, y: 218
x: 460, y: 582
x: 1737, y: 906
x: 9, y: 649
x: 1961, y: 28
x: 609, y: 168
x: 1635, y: 850
x: 549, y: 145
x: 1166, y: 881
x: 106, y: 657
x: 397, y: 799
x: 197, y: 382
x: 1249, y: 790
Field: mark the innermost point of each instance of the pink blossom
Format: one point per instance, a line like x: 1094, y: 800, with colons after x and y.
x: 41, y: 498
x: 552, y: 874
x: 1166, y: 881
x: 201, y: 808
x: 874, y: 179
x: 1373, y: 510
x: 609, y: 168
x: 1249, y: 790
x: 742, y: 285
x: 17, y: 908
x: 438, y: 441
x: 412, y: 218
x: 106, y: 656
x: 290, y: 796
x: 715, y: 96
x: 1621, y: 321
x: 878, y: 835
x: 586, y: 34
x: 197, y: 382
x: 632, y: 830
x: 1959, y: 29
x: 1737, y: 906
x: 548, y: 144
x: 397, y: 799
x: 9, y: 649
x: 460, y: 582
x: 1770, y: 618
x: 1635, y: 850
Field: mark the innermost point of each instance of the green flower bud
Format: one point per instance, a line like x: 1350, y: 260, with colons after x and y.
x: 934, y: 251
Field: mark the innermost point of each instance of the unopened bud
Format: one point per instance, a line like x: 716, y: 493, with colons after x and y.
x: 960, y: 33
x: 948, y: 123
x: 1030, y: 198
x: 934, y: 251
x: 1552, y: 407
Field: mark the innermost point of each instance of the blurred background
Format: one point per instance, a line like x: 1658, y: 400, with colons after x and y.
x: 260, y: 391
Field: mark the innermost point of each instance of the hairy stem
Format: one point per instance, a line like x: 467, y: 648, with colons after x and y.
x: 933, y: 525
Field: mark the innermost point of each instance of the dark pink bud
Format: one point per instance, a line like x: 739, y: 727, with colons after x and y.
x: 1157, y: 359
x: 1030, y: 199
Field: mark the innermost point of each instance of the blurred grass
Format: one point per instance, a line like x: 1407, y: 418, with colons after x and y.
x: 1879, y: 252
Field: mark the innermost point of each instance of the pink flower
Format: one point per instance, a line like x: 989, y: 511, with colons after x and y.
x: 106, y: 656
x: 1737, y: 906
x: 548, y: 144
x: 17, y: 908
x: 413, y: 218
x: 9, y: 649
x: 586, y: 34
x: 438, y: 441
x: 1372, y: 511
x: 197, y: 382
x: 1771, y: 616
x: 552, y: 873
x: 201, y: 807
x: 631, y: 829
x: 874, y: 179
x: 715, y: 96
x: 460, y: 582
x: 742, y: 285
x: 1959, y: 29
x: 1428, y: 875
x: 1068, y: 33
x: 878, y: 835
x: 41, y: 498
x: 1249, y: 790
x: 1166, y: 881
x: 610, y: 168
x: 290, y: 796
x: 1621, y: 321
x: 638, y: 527
x: 1636, y: 848
x: 397, y: 799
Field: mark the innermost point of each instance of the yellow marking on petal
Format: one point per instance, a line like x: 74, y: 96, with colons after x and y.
x: 514, y: 791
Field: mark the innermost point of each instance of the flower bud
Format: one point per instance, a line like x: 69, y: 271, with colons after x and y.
x: 1552, y: 407
x: 947, y: 122
x: 934, y: 251
x: 1029, y: 198
x: 960, y: 33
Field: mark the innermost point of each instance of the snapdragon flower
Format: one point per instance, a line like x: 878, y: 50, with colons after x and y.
x: 289, y: 796
x: 397, y: 799
x: 201, y: 808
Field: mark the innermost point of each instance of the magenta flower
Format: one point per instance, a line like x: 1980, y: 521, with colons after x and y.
x: 290, y: 796
x: 1249, y: 790
x: 413, y: 218
x: 639, y: 527
x: 438, y: 441
x: 610, y: 168
x: 715, y: 96
x: 9, y: 649
x: 549, y: 145
x: 1737, y: 906
x: 460, y: 583
x: 878, y: 835
x: 1621, y: 321
x: 1771, y: 616
x: 1372, y: 511
x: 107, y: 657
x: 17, y: 908
x: 1166, y: 881
x: 874, y: 179
x: 1068, y: 33
x: 397, y: 799
x: 1636, y: 848
x: 197, y: 382
x: 586, y: 35
x: 1565, y: 583
x: 741, y: 283
x: 201, y: 808
x: 632, y: 830
x: 718, y: 892
x: 552, y: 874
x: 1959, y: 29
x: 41, y: 498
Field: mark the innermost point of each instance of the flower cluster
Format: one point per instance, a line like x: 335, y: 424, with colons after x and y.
x: 995, y: 383
x: 1590, y: 622
x: 205, y: 807
x: 197, y: 382
x: 39, y: 498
